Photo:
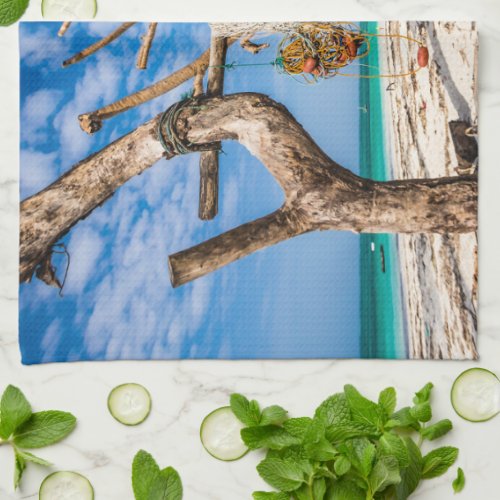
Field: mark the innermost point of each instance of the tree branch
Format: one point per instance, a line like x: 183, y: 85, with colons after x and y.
x: 147, y: 40
x: 47, y: 216
x: 98, y: 45
x: 220, y: 251
x: 253, y: 48
x: 92, y: 121
x: 209, y: 161
x: 319, y: 193
x: 64, y: 27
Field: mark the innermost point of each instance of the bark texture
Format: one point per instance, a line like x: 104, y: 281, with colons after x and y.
x: 209, y: 161
x: 98, y: 45
x: 319, y: 193
x: 147, y: 41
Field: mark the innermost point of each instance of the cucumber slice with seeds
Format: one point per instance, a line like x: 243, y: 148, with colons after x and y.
x: 66, y: 486
x: 475, y: 395
x: 67, y: 10
x: 220, y: 435
x: 130, y: 404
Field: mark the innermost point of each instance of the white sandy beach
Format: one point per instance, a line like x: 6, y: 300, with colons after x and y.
x: 439, y: 273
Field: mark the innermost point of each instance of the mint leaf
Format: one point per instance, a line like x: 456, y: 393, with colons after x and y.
x: 29, y: 457
x: 297, y: 426
x: 273, y: 415
x: 422, y: 412
x: 459, y: 483
x: 363, y: 410
x: 336, y: 433
x: 403, y: 418
x: 145, y: 472
x: 268, y: 436
x: 436, y: 430
x: 438, y: 461
x: 12, y: 10
x: 333, y: 411
x: 246, y: 411
x: 345, y: 490
x: 19, y: 466
x: 393, y: 445
x: 281, y: 474
x: 167, y: 486
x: 316, y: 445
x: 319, y: 488
x: 14, y: 411
x: 263, y: 495
x: 424, y: 394
x: 44, y: 428
x: 411, y: 475
x: 387, y: 400
x: 385, y: 473
x: 342, y: 465
x: 361, y: 453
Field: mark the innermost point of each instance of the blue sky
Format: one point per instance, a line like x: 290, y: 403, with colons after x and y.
x: 297, y: 299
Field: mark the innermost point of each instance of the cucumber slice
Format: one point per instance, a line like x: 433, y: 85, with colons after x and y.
x: 475, y: 395
x: 66, y: 486
x: 220, y: 435
x: 67, y: 10
x: 130, y: 404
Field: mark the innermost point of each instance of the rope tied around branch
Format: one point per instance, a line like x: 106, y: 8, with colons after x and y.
x: 168, y: 135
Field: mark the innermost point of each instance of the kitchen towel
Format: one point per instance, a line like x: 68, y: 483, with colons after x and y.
x: 248, y: 190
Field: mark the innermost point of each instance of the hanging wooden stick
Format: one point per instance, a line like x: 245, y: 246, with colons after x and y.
x: 209, y: 160
x: 147, y: 40
x: 98, y: 45
x: 64, y: 27
x: 198, y: 81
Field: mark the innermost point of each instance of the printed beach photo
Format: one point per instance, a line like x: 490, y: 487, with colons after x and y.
x: 248, y: 191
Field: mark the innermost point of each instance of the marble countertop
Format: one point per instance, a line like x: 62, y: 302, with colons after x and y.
x: 185, y: 391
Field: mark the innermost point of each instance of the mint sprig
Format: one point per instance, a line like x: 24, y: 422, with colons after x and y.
x: 149, y: 482
x: 12, y: 10
x: 459, y: 483
x: 351, y: 449
x: 22, y: 429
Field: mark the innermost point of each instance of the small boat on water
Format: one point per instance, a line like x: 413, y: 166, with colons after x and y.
x: 373, y: 246
x: 382, y: 258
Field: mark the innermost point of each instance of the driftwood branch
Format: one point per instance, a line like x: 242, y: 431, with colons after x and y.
x: 64, y: 27
x: 147, y: 41
x: 98, y: 45
x: 198, y: 81
x: 253, y: 48
x: 220, y: 251
x: 92, y: 121
x: 209, y: 161
x: 319, y: 193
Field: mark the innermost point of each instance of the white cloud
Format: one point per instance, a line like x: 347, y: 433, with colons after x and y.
x: 85, y: 248
x: 42, y: 47
x: 37, y: 110
x: 38, y: 170
x: 99, y: 85
x: 135, y: 311
x: 51, y: 340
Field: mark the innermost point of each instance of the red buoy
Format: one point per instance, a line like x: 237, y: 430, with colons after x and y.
x: 352, y: 49
x: 423, y: 57
x: 309, y: 65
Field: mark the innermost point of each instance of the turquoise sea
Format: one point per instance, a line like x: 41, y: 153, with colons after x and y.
x: 383, y: 322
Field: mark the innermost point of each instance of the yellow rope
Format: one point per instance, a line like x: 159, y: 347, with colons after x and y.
x: 331, y: 47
